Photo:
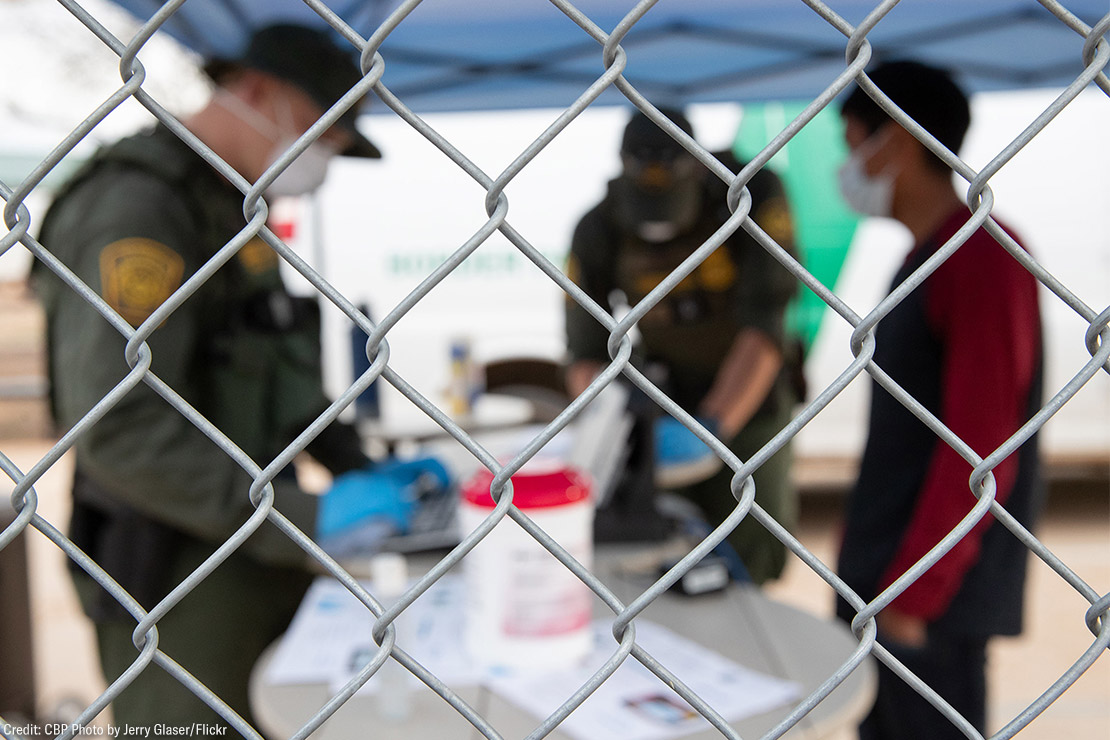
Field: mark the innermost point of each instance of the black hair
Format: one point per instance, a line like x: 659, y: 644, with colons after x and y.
x: 222, y: 72
x: 928, y: 95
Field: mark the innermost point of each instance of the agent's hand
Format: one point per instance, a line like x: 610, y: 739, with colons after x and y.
x: 676, y: 444
x: 386, y: 492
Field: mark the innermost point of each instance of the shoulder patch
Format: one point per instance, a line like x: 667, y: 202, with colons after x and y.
x: 257, y: 257
x: 137, y: 275
x: 773, y: 216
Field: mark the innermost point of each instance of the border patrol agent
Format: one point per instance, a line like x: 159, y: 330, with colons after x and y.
x: 717, y: 341
x: 153, y: 496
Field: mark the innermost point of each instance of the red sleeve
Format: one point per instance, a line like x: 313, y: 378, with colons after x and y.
x: 983, y: 306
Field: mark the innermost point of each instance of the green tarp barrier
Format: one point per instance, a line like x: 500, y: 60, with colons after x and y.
x: 807, y: 166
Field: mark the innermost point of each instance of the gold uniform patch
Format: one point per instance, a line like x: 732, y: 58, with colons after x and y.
x: 716, y: 273
x: 574, y: 273
x: 138, y: 275
x: 774, y: 218
x: 257, y: 257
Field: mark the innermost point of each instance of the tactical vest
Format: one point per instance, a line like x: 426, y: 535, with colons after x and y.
x: 685, y: 338
x: 692, y: 328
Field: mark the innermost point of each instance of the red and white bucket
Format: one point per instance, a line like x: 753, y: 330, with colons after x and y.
x: 525, y: 608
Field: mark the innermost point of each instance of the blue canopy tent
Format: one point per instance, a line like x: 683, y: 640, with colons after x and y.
x: 448, y: 55
x: 452, y: 55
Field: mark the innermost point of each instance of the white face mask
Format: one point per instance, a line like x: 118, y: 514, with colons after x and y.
x: 870, y: 196
x: 305, y: 173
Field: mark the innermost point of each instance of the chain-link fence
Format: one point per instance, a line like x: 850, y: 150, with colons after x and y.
x: 1090, y: 48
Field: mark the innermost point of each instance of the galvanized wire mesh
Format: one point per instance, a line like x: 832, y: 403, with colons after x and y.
x: 1090, y: 46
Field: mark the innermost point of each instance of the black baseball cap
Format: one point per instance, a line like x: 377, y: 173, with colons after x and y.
x: 310, y: 60
x: 644, y: 139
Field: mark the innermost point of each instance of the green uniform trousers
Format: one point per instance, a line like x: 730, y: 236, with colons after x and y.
x: 763, y: 554
x: 216, y: 633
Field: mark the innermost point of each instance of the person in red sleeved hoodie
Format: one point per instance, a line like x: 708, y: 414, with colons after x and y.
x: 966, y: 344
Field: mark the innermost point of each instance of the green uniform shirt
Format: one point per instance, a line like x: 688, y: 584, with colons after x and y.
x: 139, y: 222
x: 740, y: 285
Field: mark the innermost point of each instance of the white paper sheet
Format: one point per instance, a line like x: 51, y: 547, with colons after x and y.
x: 320, y: 635
x: 330, y: 638
x: 634, y: 704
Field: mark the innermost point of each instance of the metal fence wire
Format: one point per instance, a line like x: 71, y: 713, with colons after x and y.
x: 1089, y: 45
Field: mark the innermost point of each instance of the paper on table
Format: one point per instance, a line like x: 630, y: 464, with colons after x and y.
x: 330, y: 639
x: 634, y: 704
x: 319, y: 636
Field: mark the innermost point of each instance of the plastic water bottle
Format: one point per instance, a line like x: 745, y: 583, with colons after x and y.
x: 389, y: 578
x: 464, y: 384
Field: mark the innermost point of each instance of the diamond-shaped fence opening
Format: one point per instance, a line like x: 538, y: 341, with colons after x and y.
x: 253, y: 531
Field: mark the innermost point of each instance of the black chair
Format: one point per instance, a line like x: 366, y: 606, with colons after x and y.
x: 539, y: 381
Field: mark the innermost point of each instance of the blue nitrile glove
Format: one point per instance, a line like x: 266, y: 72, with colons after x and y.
x: 386, y: 492
x: 675, y: 444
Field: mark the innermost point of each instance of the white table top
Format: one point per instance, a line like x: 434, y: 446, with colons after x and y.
x: 739, y: 623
